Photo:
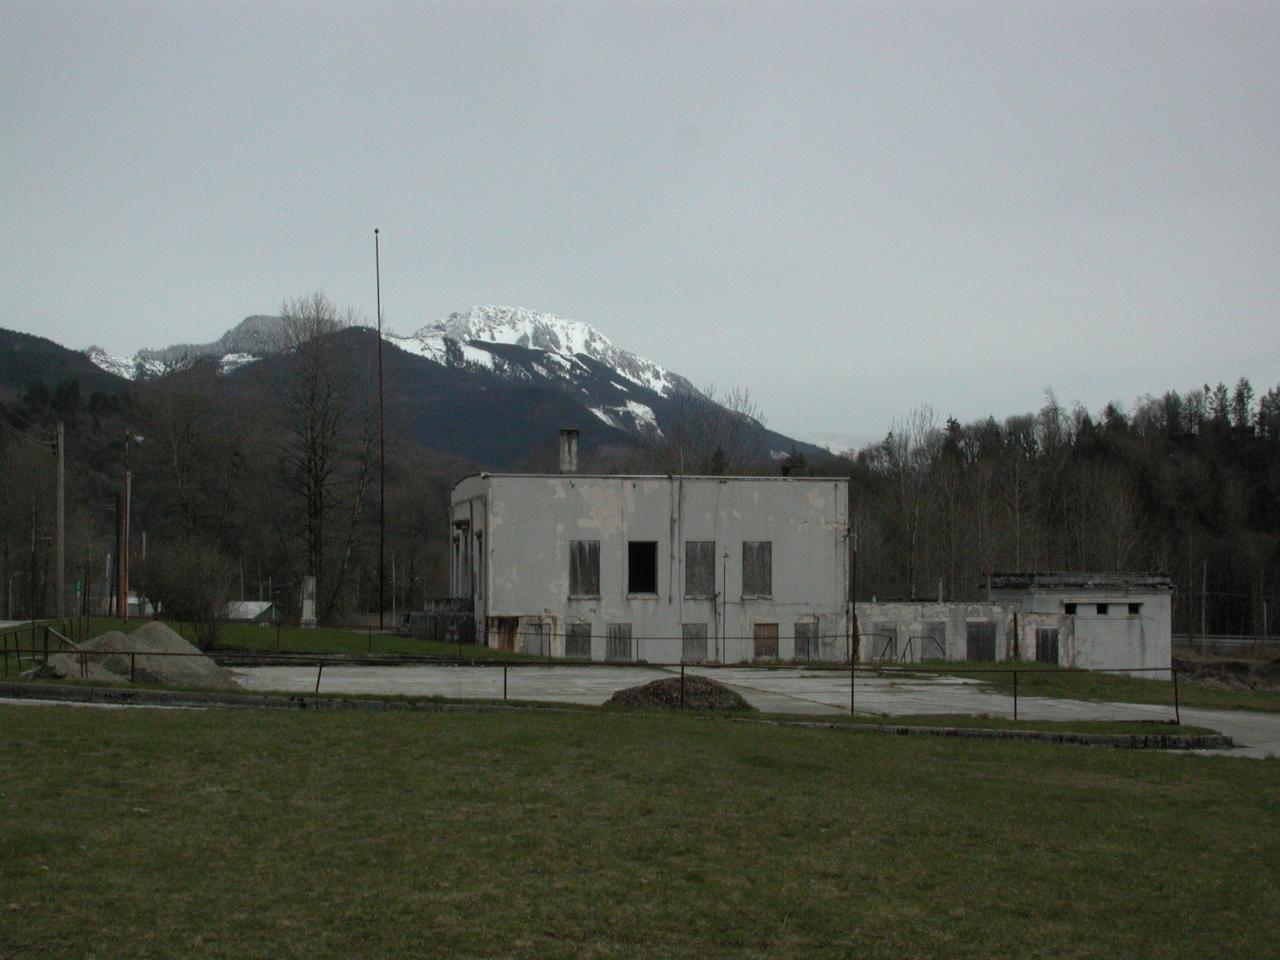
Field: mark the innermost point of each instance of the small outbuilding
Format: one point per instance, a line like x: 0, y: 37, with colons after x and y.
x: 251, y: 611
x: 1107, y: 620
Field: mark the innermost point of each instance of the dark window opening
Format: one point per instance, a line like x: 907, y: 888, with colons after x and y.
x: 699, y: 568
x: 1102, y: 609
x: 757, y: 568
x: 1135, y: 609
x: 1069, y: 609
x: 642, y: 566
x: 584, y: 568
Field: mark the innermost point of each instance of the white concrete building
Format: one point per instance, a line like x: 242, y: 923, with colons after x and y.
x: 1089, y: 621
x: 655, y: 568
x: 1110, y: 620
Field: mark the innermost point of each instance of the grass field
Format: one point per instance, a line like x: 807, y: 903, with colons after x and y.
x: 1037, y: 680
x: 288, y: 639
x: 148, y: 833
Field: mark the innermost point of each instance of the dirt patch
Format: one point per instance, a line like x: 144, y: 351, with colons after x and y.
x: 160, y: 656
x: 1227, y: 674
x: 700, y: 693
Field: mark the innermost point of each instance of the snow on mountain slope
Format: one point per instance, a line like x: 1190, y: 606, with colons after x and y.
x: 458, y: 340
x: 561, y: 339
x: 120, y: 366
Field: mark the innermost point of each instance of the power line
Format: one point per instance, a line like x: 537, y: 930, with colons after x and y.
x: 32, y: 441
x: 13, y: 414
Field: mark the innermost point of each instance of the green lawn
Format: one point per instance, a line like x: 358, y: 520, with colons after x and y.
x: 1038, y: 680
x: 292, y: 639
x: 150, y: 833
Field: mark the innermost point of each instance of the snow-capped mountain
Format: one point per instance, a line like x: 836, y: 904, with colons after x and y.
x: 451, y: 382
x: 564, y: 340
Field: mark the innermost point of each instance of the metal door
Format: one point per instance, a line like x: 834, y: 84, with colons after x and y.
x: 1047, y: 644
x: 981, y: 640
x: 618, y: 643
x: 766, y: 641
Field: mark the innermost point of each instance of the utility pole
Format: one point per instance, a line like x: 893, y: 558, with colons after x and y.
x: 382, y: 441
x: 60, y: 572
x: 122, y: 561
x: 1204, y: 597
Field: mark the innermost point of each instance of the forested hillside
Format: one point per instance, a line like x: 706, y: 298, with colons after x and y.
x: 1187, y: 483
x: 244, y: 481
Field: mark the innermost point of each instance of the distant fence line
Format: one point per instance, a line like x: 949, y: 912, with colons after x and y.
x: 39, y: 653
x: 1221, y: 643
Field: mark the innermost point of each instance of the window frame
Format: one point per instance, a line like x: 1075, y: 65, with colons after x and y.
x: 688, y: 568
x: 580, y: 594
x: 631, y: 590
x: 757, y: 594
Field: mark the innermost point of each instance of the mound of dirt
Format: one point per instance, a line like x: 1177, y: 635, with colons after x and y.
x: 161, y: 657
x: 1227, y: 674
x: 700, y: 693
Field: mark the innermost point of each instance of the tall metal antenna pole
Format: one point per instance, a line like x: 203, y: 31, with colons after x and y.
x: 60, y: 578
x: 382, y: 444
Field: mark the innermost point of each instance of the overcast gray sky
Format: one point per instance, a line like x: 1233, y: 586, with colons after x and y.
x: 852, y: 209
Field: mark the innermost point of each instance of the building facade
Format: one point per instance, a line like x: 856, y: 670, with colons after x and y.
x: 655, y: 568
x: 1108, y: 620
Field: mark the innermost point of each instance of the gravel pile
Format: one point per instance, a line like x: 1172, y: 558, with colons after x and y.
x: 1228, y: 674
x: 155, y: 645
x: 700, y: 693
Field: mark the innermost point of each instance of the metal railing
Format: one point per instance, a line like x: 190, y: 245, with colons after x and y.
x: 42, y: 637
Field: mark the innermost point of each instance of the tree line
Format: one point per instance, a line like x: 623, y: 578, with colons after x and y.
x: 242, y: 485
x: 1187, y: 484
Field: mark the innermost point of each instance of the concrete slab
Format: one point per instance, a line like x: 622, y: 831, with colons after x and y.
x: 795, y: 691
x: 591, y: 685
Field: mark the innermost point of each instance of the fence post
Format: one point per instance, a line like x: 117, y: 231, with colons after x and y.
x: 682, y: 684
x: 1177, y: 712
x: 319, y: 672
x: 1015, y: 695
x: 132, y: 664
x: 4, y: 641
x: 504, y: 680
x: 853, y: 672
x: 46, y: 646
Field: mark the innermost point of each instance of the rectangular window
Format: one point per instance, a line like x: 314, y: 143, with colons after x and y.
x: 807, y: 641
x: 1102, y: 609
x: 766, y: 641
x: 584, y: 568
x: 642, y: 566
x: 695, y: 643
x: 700, y: 568
x: 1069, y: 609
x: 1047, y: 645
x: 981, y: 640
x: 577, y: 641
x: 757, y: 568
x: 1135, y: 609
x: 618, y: 644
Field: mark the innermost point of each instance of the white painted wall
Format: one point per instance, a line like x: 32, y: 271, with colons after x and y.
x: 522, y: 525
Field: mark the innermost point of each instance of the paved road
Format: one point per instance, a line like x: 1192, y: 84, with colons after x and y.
x: 795, y: 691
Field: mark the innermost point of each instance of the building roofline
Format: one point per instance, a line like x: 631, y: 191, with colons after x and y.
x: 486, y: 475
x: 1079, y: 580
